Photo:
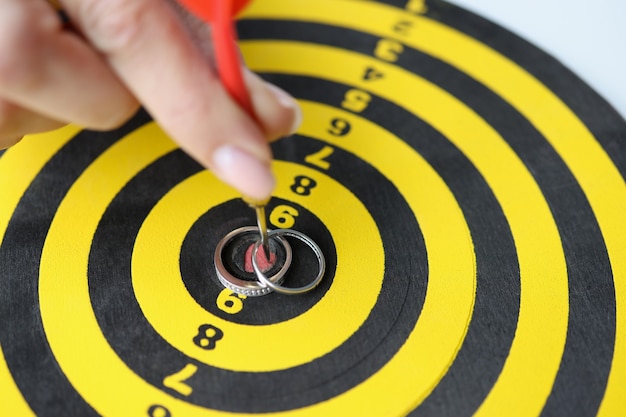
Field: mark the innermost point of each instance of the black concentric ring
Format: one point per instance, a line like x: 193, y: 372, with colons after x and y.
x: 22, y: 337
x: 586, y: 362
x: 384, y: 331
x: 590, y: 277
x: 197, y: 268
x: 494, y: 317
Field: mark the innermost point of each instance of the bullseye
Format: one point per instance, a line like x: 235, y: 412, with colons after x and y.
x: 228, y: 276
x: 262, y: 260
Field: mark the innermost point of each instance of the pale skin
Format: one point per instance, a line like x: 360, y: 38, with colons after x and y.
x: 124, y: 54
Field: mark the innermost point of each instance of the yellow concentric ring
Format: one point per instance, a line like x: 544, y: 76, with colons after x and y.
x: 15, y: 177
x: 94, y: 369
x: 171, y: 310
x: 588, y: 162
x: 538, y: 344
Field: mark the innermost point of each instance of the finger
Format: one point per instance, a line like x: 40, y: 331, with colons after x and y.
x: 151, y: 51
x: 15, y: 122
x: 278, y: 112
x: 54, y: 72
x: 7, y: 142
x: 197, y: 29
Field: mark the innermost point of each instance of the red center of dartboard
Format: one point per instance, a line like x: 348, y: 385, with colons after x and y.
x: 261, y: 260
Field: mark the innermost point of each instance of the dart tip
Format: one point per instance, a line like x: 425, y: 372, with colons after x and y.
x: 255, y: 202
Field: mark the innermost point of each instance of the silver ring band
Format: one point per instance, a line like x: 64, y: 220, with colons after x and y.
x: 276, y: 286
x: 243, y: 287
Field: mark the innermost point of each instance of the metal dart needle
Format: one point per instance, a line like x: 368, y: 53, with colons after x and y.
x: 261, y: 221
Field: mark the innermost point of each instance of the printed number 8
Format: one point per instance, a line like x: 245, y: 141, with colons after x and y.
x: 303, y: 185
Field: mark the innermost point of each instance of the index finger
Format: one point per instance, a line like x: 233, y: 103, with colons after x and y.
x: 203, y: 10
x: 147, y: 47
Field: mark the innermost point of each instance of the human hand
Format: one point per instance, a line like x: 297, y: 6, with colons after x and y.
x: 124, y: 53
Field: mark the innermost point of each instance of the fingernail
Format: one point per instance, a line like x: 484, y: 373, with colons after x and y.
x: 289, y: 102
x: 243, y: 171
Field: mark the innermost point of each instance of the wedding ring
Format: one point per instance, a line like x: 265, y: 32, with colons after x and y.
x: 275, y: 284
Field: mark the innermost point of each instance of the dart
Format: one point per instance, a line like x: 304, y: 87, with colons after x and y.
x: 259, y: 208
x: 219, y: 14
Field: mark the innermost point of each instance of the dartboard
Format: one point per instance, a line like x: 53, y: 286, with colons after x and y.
x: 467, y: 192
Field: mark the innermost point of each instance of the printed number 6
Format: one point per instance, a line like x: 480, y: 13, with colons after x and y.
x: 230, y: 302
x: 284, y: 216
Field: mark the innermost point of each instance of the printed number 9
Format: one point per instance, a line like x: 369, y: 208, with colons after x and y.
x: 339, y: 127
x: 159, y: 411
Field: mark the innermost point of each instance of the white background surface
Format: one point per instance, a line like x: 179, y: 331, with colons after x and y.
x: 589, y: 37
